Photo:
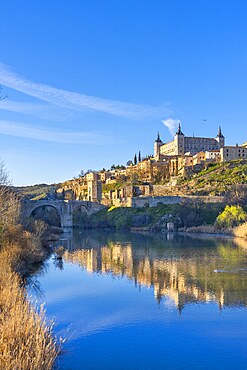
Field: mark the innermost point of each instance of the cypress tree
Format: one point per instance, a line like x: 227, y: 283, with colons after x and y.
x: 135, y: 159
x: 139, y: 156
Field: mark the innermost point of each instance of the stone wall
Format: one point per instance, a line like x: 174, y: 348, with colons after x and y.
x: 139, y: 202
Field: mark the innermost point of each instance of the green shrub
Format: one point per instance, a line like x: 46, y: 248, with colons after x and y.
x: 231, y: 216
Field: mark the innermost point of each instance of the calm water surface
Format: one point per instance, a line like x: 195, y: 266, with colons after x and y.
x: 130, y: 301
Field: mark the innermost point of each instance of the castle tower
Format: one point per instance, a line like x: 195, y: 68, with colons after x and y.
x: 179, y: 141
x: 220, y: 138
x: 157, y: 145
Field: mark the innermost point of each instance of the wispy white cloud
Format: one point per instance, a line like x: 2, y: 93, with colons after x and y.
x: 20, y: 107
x: 57, y: 136
x: 41, y: 110
x: 76, y: 101
x: 171, y: 124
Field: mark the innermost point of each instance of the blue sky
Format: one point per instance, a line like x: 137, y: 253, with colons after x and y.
x: 90, y: 83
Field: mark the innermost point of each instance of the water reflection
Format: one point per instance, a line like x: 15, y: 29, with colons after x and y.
x: 183, y: 269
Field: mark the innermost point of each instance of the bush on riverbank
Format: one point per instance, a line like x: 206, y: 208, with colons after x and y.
x: 231, y: 216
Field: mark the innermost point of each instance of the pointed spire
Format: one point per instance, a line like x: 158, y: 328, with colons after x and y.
x: 158, y: 140
x: 179, y: 131
x: 220, y: 132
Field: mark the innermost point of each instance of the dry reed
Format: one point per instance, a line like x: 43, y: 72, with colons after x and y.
x: 241, y: 231
x: 207, y: 229
x: 26, y: 340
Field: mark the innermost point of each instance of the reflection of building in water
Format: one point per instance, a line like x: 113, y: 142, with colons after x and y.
x: 117, y: 259
x: 182, y: 280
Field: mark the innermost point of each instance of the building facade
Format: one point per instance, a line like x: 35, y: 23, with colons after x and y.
x: 185, y: 144
x: 230, y: 153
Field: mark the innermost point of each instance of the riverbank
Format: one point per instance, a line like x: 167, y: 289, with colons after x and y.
x: 236, y: 232
x: 152, y: 218
x: 26, y: 339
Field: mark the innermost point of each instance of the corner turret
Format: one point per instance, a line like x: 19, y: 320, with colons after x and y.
x: 220, y: 133
x: 157, y: 144
x: 158, y: 138
x: 179, y: 131
x: 179, y: 141
x: 220, y: 138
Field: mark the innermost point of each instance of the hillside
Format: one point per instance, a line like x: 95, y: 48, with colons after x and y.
x: 36, y: 192
x: 216, y: 179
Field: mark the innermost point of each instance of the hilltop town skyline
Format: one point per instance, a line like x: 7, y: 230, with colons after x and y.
x: 112, y: 76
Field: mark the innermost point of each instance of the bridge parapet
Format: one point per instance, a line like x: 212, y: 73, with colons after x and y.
x: 65, y: 208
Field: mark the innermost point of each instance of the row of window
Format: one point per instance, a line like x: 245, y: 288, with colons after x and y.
x: 187, y: 148
x: 239, y: 150
x: 243, y: 155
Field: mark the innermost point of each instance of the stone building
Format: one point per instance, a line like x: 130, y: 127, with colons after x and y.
x: 185, y: 144
x: 212, y: 155
x: 148, y: 169
x: 230, y: 153
x: 94, y: 187
x: 87, y: 188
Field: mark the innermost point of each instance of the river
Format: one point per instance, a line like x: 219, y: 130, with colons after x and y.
x: 145, y: 301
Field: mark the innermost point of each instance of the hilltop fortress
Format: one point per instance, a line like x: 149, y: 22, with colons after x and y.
x: 157, y: 175
x: 182, y: 145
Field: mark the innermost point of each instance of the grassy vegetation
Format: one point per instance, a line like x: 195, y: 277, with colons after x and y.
x: 36, y: 192
x: 217, y: 178
x: 231, y: 221
x: 111, y: 187
x: 155, y: 218
x: 26, y: 340
x: 241, y: 231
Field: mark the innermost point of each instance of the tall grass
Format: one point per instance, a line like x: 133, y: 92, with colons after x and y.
x: 241, y: 231
x: 26, y: 340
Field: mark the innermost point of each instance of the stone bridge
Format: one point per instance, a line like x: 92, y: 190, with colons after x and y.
x: 65, y: 209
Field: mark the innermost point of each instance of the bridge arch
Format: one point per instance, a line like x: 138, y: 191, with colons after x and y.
x: 80, y: 208
x: 65, y: 209
x: 57, y: 219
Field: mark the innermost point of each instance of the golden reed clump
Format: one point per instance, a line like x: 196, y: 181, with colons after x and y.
x: 26, y: 340
x: 241, y: 231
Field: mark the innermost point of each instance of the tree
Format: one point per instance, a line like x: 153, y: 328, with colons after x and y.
x: 139, y: 156
x: 135, y: 159
x: 231, y: 216
x: 9, y: 201
x: 88, y: 171
x: 237, y: 194
x: 81, y: 174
